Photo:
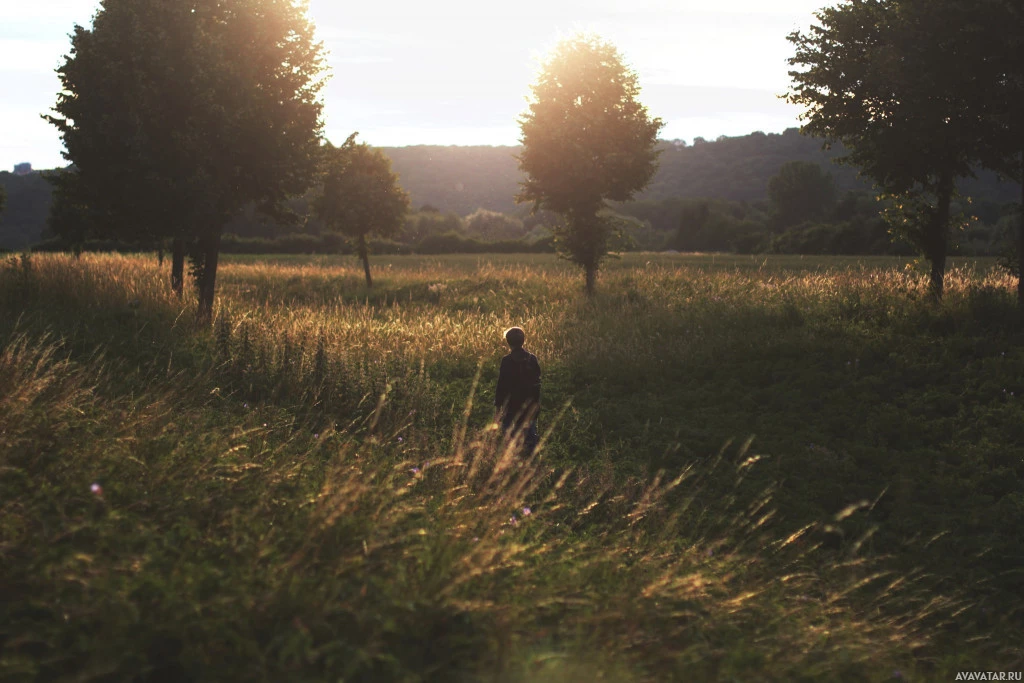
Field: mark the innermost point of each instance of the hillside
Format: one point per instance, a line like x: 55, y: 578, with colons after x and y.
x: 28, y: 204
x: 464, y: 179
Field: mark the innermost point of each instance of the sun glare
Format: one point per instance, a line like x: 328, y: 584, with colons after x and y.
x: 458, y: 72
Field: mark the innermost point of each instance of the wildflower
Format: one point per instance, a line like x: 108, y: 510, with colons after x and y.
x: 245, y: 405
x: 264, y: 424
x: 414, y: 471
x: 96, y: 489
x: 526, y: 511
x: 399, y: 439
x: 316, y: 435
x: 513, y: 521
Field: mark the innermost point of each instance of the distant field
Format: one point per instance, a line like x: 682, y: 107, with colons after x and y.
x: 756, y: 468
x: 630, y: 260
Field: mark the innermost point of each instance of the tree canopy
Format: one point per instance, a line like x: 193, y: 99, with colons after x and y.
x: 361, y: 195
x: 586, y: 140
x: 178, y: 114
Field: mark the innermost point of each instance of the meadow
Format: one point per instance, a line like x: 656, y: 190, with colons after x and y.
x: 753, y: 468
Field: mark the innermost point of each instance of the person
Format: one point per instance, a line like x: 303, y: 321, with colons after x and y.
x: 517, y: 396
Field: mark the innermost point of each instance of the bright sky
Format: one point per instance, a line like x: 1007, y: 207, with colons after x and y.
x: 457, y: 72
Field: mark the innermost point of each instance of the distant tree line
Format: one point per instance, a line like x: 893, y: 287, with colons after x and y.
x: 423, y: 231
x: 849, y: 223
x: 29, y: 196
x: 27, y: 205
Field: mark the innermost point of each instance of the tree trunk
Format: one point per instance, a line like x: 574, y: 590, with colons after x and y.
x: 209, y: 245
x: 160, y: 255
x: 364, y: 254
x: 940, y: 234
x: 1020, y: 244
x: 591, y: 275
x: 178, y: 266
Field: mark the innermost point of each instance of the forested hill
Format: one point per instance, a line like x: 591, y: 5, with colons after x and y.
x: 464, y: 179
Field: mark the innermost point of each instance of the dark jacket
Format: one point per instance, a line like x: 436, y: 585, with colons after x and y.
x: 518, y: 392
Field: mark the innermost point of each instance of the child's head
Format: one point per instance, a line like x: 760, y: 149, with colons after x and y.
x: 515, y: 337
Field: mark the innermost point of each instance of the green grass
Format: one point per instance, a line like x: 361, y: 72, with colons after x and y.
x: 755, y: 468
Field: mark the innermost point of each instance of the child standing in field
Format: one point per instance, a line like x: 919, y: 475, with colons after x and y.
x: 517, y: 397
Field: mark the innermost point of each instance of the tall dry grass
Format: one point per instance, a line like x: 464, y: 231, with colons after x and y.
x: 311, y: 489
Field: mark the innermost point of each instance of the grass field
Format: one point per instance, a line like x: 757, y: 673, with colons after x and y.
x: 754, y: 468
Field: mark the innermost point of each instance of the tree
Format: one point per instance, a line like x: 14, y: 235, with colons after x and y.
x: 884, y: 77
x: 586, y: 140
x: 996, y: 51
x: 492, y: 225
x: 1011, y: 78
x: 428, y: 222
x: 361, y: 196
x: 178, y: 114
x: 72, y: 216
x: 693, y: 219
x: 3, y: 200
x: 801, y: 191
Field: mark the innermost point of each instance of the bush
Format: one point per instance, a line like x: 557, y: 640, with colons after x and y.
x: 494, y: 226
x: 454, y: 243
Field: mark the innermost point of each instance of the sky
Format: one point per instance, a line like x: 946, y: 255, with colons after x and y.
x: 458, y: 72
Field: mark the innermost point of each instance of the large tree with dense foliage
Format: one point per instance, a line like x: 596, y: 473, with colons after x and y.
x: 178, y: 114
x: 996, y: 52
x: 885, y: 78
x: 361, y: 196
x: 586, y: 140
